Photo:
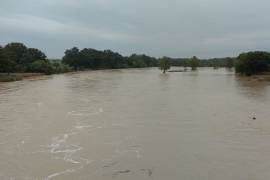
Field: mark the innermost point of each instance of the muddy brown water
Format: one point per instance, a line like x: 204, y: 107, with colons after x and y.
x: 135, y: 124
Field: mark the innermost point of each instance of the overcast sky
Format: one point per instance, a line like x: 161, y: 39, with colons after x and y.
x: 176, y: 28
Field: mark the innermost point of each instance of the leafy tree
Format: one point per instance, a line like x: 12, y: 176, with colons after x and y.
x: 16, y: 57
x: 31, y: 55
x: 60, y: 68
x: 253, y: 63
x: 6, y: 65
x: 71, y: 57
x: 137, y: 61
x: 164, y: 64
x: 112, y: 60
x: 194, y: 63
x: 15, y: 52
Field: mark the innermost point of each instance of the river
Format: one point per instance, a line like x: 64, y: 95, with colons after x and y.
x: 135, y: 124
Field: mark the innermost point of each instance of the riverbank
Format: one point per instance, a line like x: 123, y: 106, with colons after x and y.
x: 262, y: 77
x: 10, y: 77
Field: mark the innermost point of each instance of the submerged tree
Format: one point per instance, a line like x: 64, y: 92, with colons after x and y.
x: 164, y: 64
x: 194, y: 63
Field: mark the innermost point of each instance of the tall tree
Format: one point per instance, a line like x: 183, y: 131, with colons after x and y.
x: 15, y: 52
x: 32, y: 54
x: 194, y: 63
x: 6, y: 64
x: 164, y: 64
x: 71, y: 57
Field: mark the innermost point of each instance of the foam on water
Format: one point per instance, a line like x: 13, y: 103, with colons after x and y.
x: 82, y: 127
x: 59, y: 173
x: 86, y: 112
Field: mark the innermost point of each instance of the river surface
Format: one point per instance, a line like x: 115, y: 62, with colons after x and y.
x: 135, y: 124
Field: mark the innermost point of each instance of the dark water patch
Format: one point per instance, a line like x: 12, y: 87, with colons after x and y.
x: 117, y: 173
x: 148, y: 172
x: 110, y: 164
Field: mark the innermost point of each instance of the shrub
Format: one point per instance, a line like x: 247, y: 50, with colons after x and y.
x: 40, y: 66
x: 60, y: 68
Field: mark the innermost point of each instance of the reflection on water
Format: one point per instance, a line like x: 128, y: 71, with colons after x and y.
x: 135, y: 124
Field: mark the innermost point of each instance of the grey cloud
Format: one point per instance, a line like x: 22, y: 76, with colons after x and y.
x: 178, y: 28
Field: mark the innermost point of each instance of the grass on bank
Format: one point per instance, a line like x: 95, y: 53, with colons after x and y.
x: 10, y: 78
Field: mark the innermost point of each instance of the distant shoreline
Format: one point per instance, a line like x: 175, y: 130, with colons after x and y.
x: 10, y: 77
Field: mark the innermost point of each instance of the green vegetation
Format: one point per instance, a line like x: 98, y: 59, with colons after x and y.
x: 164, y: 64
x: 107, y: 59
x: 17, y: 58
x: 252, y: 63
x: 41, y: 66
x: 194, y: 63
x: 9, y: 78
x: 214, y: 62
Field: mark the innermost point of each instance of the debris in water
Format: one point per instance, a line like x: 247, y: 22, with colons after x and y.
x: 110, y: 164
x: 148, y: 171
x: 121, y: 172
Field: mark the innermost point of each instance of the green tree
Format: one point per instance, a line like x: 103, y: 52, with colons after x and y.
x: 60, y: 68
x: 194, y: 63
x: 41, y: 66
x: 31, y: 55
x: 253, y: 63
x: 6, y: 65
x: 164, y: 64
x: 15, y: 52
x: 71, y: 57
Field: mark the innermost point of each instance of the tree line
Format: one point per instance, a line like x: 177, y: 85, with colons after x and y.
x: 213, y: 62
x: 16, y: 57
x: 250, y: 63
x: 95, y: 59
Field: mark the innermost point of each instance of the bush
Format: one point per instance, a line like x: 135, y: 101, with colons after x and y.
x: 60, y: 68
x: 44, y: 66
x: 253, y: 63
x: 40, y: 66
